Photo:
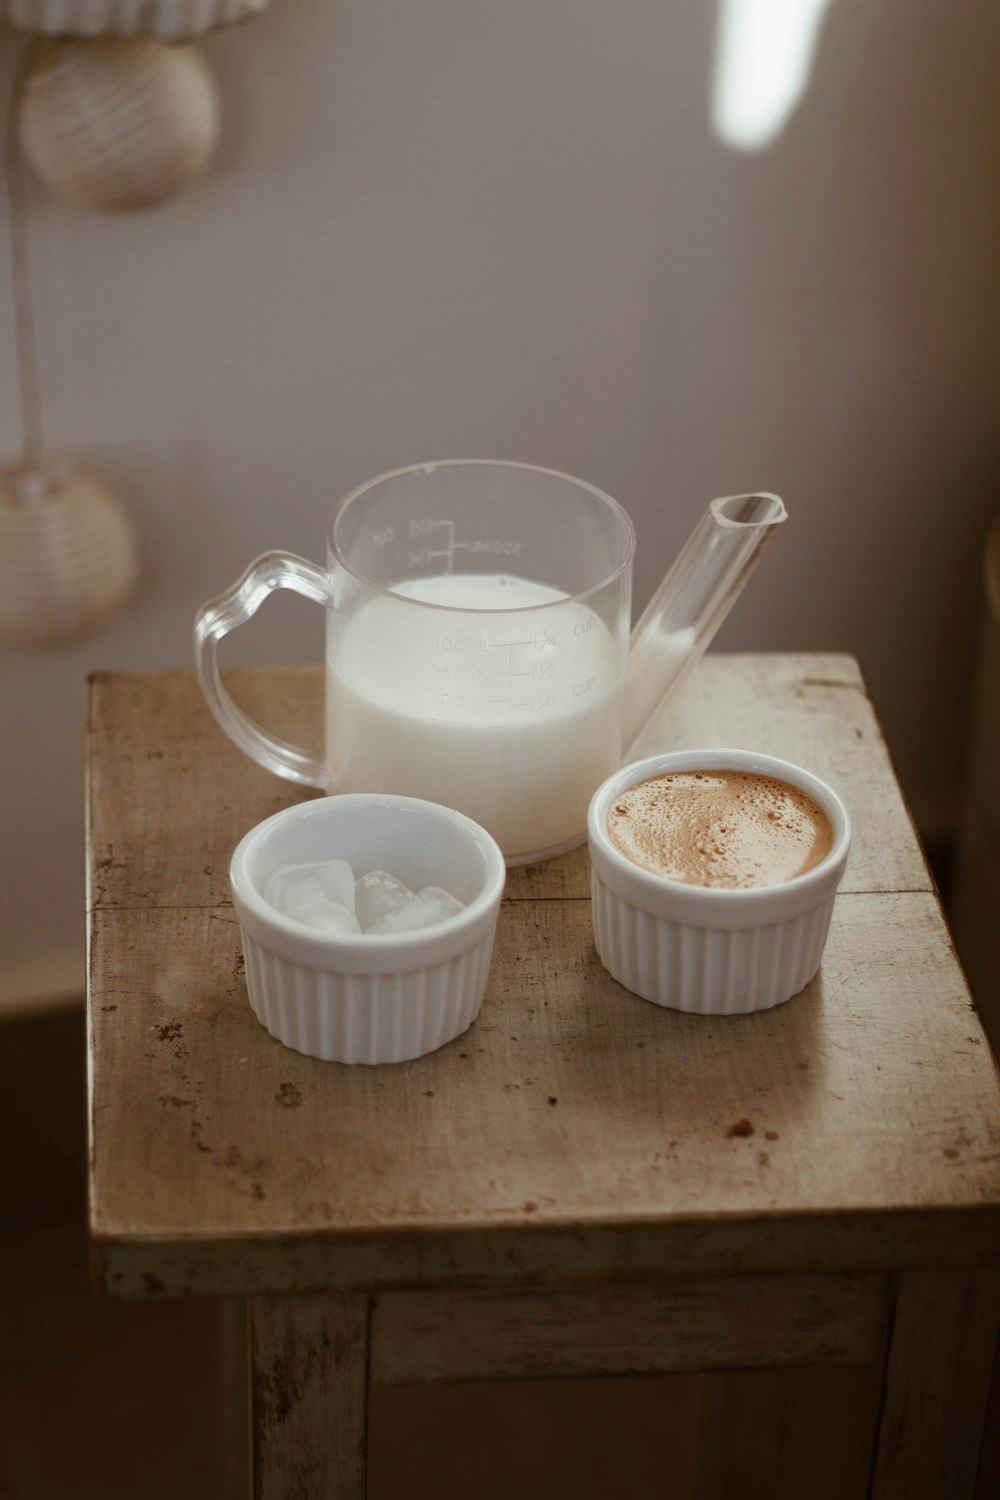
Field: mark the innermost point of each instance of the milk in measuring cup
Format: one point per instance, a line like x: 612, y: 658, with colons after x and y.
x: 513, y: 719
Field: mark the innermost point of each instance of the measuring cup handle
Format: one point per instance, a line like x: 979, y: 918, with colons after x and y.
x: 274, y: 570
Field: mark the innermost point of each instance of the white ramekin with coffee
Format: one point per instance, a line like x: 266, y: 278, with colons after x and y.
x: 714, y: 874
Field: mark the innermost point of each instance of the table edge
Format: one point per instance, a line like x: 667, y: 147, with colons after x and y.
x: 517, y: 1254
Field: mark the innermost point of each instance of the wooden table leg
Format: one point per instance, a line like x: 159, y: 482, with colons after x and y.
x: 309, y: 1372
x: 940, y: 1359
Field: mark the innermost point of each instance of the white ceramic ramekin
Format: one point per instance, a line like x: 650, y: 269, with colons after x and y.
x: 369, y: 998
x: 695, y: 948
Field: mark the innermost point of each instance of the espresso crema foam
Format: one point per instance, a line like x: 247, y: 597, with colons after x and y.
x: 730, y: 829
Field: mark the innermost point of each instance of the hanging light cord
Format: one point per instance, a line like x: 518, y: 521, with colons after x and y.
x: 25, y: 329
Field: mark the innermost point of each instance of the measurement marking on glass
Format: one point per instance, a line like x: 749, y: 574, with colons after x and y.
x: 449, y: 546
x: 509, y: 647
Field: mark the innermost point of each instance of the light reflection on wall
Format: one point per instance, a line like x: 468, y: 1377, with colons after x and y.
x: 763, y: 59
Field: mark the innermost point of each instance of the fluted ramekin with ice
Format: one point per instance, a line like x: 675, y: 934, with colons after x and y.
x: 367, y: 997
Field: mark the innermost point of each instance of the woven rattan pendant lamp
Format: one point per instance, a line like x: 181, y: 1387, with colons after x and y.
x: 115, y: 110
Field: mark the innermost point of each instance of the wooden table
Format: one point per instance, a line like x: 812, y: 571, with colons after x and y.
x: 583, y: 1182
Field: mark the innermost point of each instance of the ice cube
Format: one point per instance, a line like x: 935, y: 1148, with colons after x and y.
x: 426, y: 909
x: 298, y: 885
x: 444, y: 901
x: 325, y: 915
x: 377, y: 895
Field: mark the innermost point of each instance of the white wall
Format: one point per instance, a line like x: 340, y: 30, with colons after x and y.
x: 456, y: 227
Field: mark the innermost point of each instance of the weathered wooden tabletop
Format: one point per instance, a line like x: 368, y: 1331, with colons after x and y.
x: 575, y: 1131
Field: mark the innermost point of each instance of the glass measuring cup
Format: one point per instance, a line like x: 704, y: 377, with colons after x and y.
x: 477, y: 634
x: 477, y: 641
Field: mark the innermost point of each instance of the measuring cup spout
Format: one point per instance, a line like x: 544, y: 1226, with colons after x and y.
x: 692, y: 602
